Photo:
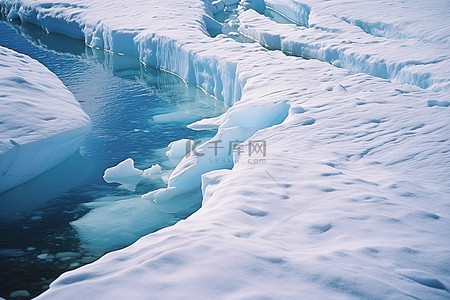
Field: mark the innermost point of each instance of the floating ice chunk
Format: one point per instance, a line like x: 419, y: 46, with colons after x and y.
x: 119, y: 223
x: 123, y: 169
x: 128, y: 176
x: 124, y: 173
x: 20, y: 293
x: 154, y: 171
x: 11, y: 252
x: 43, y: 256
x: 177, y: 117
x: 64, y: 255
x: 179, y: 149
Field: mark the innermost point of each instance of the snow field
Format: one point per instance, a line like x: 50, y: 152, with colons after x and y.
x: 351, y: 200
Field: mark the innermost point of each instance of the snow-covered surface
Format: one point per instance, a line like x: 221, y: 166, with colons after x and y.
x: 41, y: 123
x: 351, y: 199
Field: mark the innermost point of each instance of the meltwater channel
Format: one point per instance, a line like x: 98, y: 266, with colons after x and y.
x: 69, y: 216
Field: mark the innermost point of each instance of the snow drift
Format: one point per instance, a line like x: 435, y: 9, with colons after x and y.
x: 41, y: 123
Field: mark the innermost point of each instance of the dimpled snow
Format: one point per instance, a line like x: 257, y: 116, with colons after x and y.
x: 347, y: 195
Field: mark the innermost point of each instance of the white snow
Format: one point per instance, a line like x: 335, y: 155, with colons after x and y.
x: 128, y: 176
x: 351, y: 197
x: 41, y: 123
x: 360, y: 49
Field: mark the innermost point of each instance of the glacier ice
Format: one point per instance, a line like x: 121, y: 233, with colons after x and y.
x: 41, y: 123
x: 353, y: 192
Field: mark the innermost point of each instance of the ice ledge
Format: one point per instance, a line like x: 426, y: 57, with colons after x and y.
x: 41, y: 122
x: 157, y: 47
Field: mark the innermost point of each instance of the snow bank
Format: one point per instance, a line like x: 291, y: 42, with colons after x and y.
x: 360, y: 51
x: 215, y: 154
x: 350, y: 197
x: 41, y: 123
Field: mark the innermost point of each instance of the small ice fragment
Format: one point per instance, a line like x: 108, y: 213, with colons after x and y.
x: 177, y: 117
x: 20, y: 293
x: 124, y: 173
x: 87, y: 259
x: 62, y: 255
x: 43, y: 256
x: 153, y: 172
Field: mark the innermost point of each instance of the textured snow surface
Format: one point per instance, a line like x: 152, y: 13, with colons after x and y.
x: 352, y: 200
x: 41, y: 123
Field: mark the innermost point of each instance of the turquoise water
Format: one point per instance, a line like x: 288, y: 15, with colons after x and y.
x: 38, y: 240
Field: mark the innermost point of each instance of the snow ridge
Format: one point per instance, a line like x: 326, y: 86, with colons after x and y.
x: 349, y: 53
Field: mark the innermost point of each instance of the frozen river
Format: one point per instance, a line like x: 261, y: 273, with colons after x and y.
x: 122, y: 96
